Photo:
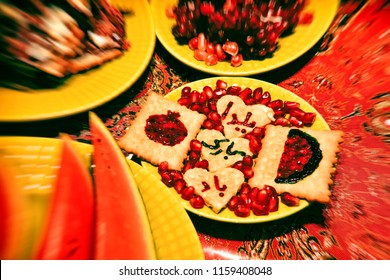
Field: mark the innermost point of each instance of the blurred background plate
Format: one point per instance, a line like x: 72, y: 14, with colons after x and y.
x: 94, y: 87
x: 35, y: 162
x: 291, y: 47
x: 276, y: 93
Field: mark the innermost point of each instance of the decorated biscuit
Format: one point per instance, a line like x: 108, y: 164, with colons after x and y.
x: 162, y: 131
x: 298, y: 161
x: 239, y: 118
x: 221, y: 152
x: 216, y: 188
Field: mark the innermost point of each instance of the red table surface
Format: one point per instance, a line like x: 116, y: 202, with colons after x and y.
x: 346, y: 78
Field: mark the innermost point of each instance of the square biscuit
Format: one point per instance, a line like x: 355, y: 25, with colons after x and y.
x: 136, y: 140
x: 314, y: 187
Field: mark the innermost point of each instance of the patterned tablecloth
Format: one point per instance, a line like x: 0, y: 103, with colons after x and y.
x: 346, y: 78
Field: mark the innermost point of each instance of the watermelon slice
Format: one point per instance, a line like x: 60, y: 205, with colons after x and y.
x: 122, y: 226
x: 14, y: 218
x: 68, y: 234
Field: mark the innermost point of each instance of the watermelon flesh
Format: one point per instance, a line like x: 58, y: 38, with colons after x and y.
x: 122, y: 226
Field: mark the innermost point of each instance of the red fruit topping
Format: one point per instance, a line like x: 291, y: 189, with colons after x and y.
x: 245, y: 189
x: 166, y: 129
x: 163, y: 166
x: 242, y: 211
x: 200, y: 55
x: 221, y: 84
x: 230, y: 48
x: 236, y: 60
x: 289, y: 199
x: 211, y: 59
x: 300, y: 157
x: 309, y: 118
x: 187, y: 193
x: 197, y: 202
x: 282, y: 121
x: 260, y: 209
x: 193, y: 43
x: 195, y: 145
x: 233, y: 203
x: 273, y: 204
x: 179, y: 185
x: 220, y: 52
x: 202, y: 42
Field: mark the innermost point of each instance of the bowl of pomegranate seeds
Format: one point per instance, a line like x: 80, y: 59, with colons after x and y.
x: 252, y: 128
x: 240, y: 37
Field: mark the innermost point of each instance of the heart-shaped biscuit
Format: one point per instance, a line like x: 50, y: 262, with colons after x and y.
x: 221, y: 152
x: 216, y: 188
x: 239, y: 119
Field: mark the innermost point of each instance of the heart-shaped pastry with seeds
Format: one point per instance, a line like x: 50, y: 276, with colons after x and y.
x: 239, y: 119
x: 221, y: 152
x: 216, y: 188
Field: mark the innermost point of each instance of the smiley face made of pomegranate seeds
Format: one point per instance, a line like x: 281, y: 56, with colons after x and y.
x: 221, y: 152
x: 239, y: 119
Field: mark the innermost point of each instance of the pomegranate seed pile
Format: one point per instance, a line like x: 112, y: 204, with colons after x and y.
x: 234, y: 29
x: 248, y: 199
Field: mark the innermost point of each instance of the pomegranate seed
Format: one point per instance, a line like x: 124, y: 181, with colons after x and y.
x: 266, y: 98
x: 187, y: 193
x: 202, y: 164
x: 247, y: 161
x: 273, y: 203
x: 246, y: 94
x: 236, y: 60
x: 217, y: 94
x: 175, y: 175
x: 169, y: 12
x: 276, y: 104
x: 200, y: 55
x: 306, y: 18
x: 248, y: 172
x: 206, y: 8
x: 210, y: 48
x: 270, y: 190
x: 166, y: 178
x: 291, y: 105
x: 194, y: 96
x: 208, y: 91
x: 297, y: 112
x: 230, y: 48
x: 187, y: 166
x: 262, y: 197
x: 238, y: 165
x: 184, y: 101
x: 214, y: 117
x: 233, y: 203
x: 258, y: 94
x: 258, y: 132
x: 282, y: 122
x: 185, y: 92
x: 242, y: 211
x: 207, y: 124
x: 196, y: 107
x: 179, y: 185
x: 194, y: 156
x: 197, y: 202
x: 233, y: 90
x: 289, y: 199
x: 254, y: 145
x: 253, y: 193
x: 203, y: 98
x: 195, y: 145
x: 211, y: 59
x: 260, y: 209
x: 193, y: 43
x: 245, y: 189
x: 163, y: 166
x: 295, y: 122
x: 221, y: 84
x: 279, y: 113
x: 202, y: 42
x: 309, y: 118
x: 220, y: 52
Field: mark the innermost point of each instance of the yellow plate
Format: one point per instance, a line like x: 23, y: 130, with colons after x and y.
x: 36, y: 161
x: 276, y: 93
x: 291, y: 47
x: 92, y: 88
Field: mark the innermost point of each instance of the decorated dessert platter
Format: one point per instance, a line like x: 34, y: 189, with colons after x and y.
x: 236, y: 149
